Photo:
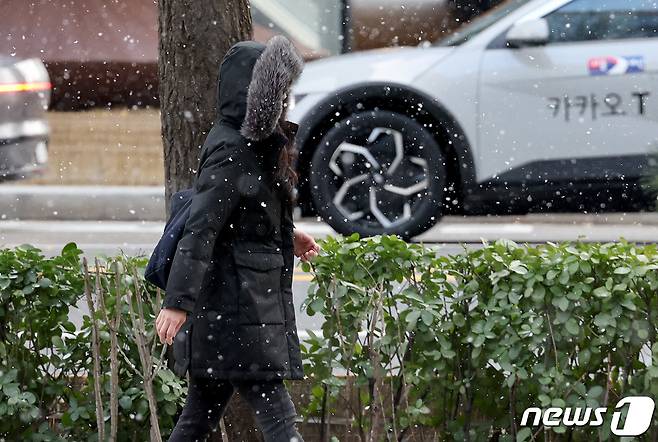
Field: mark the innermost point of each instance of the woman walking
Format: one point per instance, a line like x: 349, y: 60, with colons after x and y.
x: 228, y: 308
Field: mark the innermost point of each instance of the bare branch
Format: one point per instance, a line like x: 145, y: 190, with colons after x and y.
x: 95, y: 348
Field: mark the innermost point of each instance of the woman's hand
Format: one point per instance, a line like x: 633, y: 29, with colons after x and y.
x: 305, y: 246
x: 169, y: 321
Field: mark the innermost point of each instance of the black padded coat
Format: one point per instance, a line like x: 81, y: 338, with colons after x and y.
x: 232, y: 271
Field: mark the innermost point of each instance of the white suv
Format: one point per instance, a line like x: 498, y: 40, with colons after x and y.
x: 536, y: 105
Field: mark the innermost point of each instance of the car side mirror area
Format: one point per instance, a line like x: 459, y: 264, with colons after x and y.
x: 533, y: 32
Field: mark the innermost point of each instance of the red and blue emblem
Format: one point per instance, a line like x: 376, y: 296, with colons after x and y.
x: 612, y: 65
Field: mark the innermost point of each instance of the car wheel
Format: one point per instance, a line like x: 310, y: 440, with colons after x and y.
x: 378, y: 173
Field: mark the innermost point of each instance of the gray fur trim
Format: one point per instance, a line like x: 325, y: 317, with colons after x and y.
x: 274, y: 73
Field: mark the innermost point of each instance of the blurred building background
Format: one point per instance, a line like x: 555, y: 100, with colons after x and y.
x: 102, y: 55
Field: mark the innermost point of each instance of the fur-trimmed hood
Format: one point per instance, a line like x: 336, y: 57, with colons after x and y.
x: 254, y: 81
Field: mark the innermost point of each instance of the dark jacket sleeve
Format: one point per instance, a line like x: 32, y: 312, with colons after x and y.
x: 215, y: 199
x: 287, y: 247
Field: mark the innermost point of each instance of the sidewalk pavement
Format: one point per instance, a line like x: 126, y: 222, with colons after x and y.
x: 69, y: 203
x: 146, y: 203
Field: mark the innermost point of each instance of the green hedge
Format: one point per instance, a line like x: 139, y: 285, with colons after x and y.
x: 461, y: 345
x: 454, y: 347
x: 44, y: 358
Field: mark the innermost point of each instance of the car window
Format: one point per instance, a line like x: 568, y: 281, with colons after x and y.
x: 482, y: 22
x: 584, y: 20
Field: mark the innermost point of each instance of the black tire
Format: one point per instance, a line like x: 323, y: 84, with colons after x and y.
x: 402, y: 196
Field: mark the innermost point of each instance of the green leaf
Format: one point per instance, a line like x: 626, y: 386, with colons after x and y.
x: 427, y: 317
x: 628, y: 304
x: 560, y: 429
x: 412, y: 319
x: 517, y: 266
x: 317, y: 305
x: 126, y: 402
x: 595, y: 392
x: 558, y: 402
x: 523, y: 434
x: 603, y: 320
x: 71, y: 249
x: 601, y: 292
x: 30, y: 397
x: 572, y: 326
x: 538, y: 294
x: 170, y: 408
x: 11, y: 389
x: 57, y: 341
x: 66, y: 419
x: 562, y: 303
x: 458, y: 319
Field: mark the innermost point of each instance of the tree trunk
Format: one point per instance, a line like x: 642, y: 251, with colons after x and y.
x: 194, y: 36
